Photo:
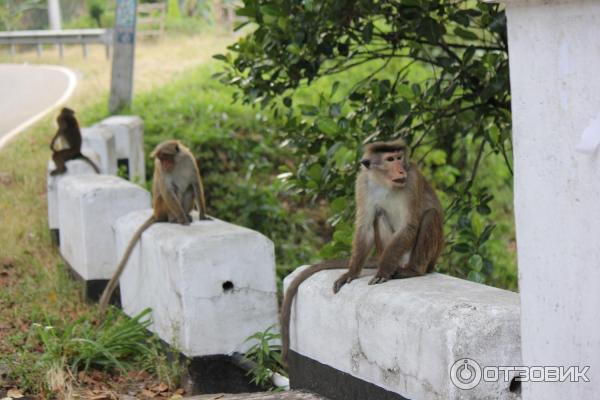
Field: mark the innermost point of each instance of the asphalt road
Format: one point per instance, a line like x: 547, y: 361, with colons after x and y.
x: 28, y: 92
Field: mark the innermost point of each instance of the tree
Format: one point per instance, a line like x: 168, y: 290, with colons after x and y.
x: 435, y: 72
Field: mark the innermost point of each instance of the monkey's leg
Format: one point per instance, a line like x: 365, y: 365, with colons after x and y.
x: 389, y: 262
x: 176, y: 212
x: 60, y: 158
x: 427, y: 247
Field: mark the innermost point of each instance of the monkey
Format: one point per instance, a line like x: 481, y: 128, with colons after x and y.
x: 176, y: 188
x: 68, y: 130
x: 397, y: 212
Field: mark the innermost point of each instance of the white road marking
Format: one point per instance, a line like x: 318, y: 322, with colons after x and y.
x: 71, y: 77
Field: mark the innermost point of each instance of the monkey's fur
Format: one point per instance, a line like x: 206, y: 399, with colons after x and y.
x: 176, y: 188
x: 397, y: 212
x: 68, y: 130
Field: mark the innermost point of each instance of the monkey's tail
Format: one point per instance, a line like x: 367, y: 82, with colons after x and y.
x: 92, y: 164
x: 112, y: 284
x: 286, y: 307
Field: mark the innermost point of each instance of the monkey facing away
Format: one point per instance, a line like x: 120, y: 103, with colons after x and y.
x: 176, y: 188
x: 397, y: 213
x: 68, y: 131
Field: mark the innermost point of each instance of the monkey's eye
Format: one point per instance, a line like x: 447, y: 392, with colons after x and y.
x: 389, y: 159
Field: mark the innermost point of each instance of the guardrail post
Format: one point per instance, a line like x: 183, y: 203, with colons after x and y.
x: 39, y: 49
x: 121, y: 87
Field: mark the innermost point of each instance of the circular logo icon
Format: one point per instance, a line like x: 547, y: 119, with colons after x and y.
x: 465, y: 374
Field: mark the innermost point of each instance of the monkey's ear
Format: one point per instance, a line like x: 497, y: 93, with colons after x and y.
x: 177, y: 147
x: 366, y: 162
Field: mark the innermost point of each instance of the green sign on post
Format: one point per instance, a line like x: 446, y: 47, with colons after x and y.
x: 121, y: 86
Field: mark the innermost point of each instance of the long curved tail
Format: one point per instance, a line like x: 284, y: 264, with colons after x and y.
x: 286, y: 307
x: 92, y: 164
x: 112, y: 284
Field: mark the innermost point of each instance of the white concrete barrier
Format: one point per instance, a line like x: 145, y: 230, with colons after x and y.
x: 74, y: 167
x: 210, y: 284
x: 398, y: 340
x: 88, y: 207
x: 102, y: 141
x: 554, y: 56
x: 129, y: 135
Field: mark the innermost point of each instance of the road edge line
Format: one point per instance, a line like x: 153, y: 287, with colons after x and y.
x: 72, y: 83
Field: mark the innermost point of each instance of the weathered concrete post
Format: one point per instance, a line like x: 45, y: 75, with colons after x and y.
x: 54, y: 17
x: 554, y: 64
x: 121, y: 86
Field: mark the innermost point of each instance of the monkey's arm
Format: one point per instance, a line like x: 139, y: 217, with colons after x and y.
x: 364, y: 237
x: 362, y: 246
x: 53, y: 141
x: 173, y: 204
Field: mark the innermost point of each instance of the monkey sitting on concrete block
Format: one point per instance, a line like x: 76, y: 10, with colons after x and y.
x: 176, y: 189
x: 68, y: 131
x: 397, y: 212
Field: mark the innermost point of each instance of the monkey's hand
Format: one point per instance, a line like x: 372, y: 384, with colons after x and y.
x: 346, y: 277
x: 379, y: 277
x: 185, y: 221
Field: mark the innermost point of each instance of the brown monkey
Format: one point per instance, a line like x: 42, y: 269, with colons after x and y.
x: 68, y: 130
x: 398, y: 213
x: 176, y: 188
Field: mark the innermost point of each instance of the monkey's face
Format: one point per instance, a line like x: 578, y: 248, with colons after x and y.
x: 393, y: 166
x: 167, y: 161
x: 165, y: 154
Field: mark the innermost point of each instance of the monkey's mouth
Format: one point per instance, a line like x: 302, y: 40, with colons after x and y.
x: 399, y: 181
x: 167, y: 163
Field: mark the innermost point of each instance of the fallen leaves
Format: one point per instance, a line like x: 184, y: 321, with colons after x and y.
x: 98, y: 385
x: 14, y: 394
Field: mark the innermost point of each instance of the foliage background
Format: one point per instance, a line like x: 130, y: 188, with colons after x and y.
x: 338, y: 74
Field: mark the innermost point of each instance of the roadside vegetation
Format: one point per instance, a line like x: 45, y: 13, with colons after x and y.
x: 52, y: 342
x: 278, y: 135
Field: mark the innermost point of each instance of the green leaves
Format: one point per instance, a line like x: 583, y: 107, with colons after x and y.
x: 347, y: 73
x: 327, y: 125
x: 465, y: 34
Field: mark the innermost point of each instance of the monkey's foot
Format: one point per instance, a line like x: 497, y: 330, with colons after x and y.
x: 57, y: 172
x: 378, y: 279
x: 342, y: 280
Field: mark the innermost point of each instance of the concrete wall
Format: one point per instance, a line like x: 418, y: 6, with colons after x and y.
x: 554, y: 67
x: 404, y: 335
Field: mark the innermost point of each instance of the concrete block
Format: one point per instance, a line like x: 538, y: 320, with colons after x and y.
x: 210, y: 284
x: 88, y: 207
x: 101, y: 141
x: 74, y: 167
x: 398, y: 340
x: 129, y: 135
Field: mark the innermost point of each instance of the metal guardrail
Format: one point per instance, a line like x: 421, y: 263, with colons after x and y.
x: 59, y: 38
